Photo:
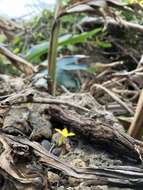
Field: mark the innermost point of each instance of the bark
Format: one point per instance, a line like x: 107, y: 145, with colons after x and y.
x: 101, y: 134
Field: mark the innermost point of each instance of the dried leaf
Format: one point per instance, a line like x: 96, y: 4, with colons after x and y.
x: 99, y: 7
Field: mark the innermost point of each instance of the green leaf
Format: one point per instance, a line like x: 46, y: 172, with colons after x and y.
x: 104, y: 45
x: 91, y: 69
x: 16, y: 40
x: 36, y: 51
x: 68, y: 39
x: 79, y: 38
x: 66, y: 67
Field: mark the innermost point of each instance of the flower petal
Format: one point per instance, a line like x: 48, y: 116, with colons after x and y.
x: 59, y: 131
x: 71, y: 134
x: 65, y: 132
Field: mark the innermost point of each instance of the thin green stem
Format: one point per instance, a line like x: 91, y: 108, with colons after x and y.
x: 52, y: 55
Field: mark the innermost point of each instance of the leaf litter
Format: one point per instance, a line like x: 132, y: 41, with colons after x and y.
x: 101, y: 155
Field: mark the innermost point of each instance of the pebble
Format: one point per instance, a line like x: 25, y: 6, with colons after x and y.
x: 104, y: 187
x: 57, y: 151
x: 53, y: 178
x: 46, y: 144
x: 37, y: 183
x: 61, y: 188
x: 73, y: 181
x: 78, y: 163
x: 41, y: 132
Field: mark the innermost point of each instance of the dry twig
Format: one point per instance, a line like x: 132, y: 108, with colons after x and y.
x: 135, y: 129
x: 17, y: 61
x: 115, y: 97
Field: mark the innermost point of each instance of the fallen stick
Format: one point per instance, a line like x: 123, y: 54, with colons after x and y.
x: 97, y: 132
x: 28, y: 97
x: 119, y: 176
x: 114, y: 97
x: 107, y: 136
x: 135, y: 129
x: 111, y: 22
x: 17, y: 61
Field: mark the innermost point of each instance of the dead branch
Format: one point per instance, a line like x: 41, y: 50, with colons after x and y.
x: 17, y: 61
x: 112, y: 22
x: 125, y: 176
x: 115, y: 97
x: 135, y: 129
x: 97, y: 133
x: 28, y: 97
x: 9, y: 25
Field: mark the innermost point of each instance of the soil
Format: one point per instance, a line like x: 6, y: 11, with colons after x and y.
x: 32, y: 120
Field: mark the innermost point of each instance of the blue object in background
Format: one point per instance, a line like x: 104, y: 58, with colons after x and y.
x: 65, y: 72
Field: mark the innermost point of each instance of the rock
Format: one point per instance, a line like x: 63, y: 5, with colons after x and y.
x: 42, y: 132
x: 57, y: 151
x: 70, y: 188
x: 46, y: 144
x: 9, y: 84
x: 17, y: 118
x: 37, y: 183
x: 61, y: 188
x: 42, y: 127
x: 53, y: 178
x: 78, y: 163
x: 104, y: 187
x: 73, y: 181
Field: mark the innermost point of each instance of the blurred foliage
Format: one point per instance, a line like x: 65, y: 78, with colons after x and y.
x: 136, y: 5
x: 66, y: 72
x: 133, y: 1
x: 6, y: 67
x: 38, y: 29
x: 64, y: 41
x: 136, y: 1
x: 32, y: 42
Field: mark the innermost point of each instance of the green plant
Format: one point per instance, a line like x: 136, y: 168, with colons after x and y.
x: 101, y: 8
x: 63, y: 41
x: 52, y: 54
x: 66, y: 72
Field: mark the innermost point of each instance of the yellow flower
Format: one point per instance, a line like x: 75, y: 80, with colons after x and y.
x: 64, y: 134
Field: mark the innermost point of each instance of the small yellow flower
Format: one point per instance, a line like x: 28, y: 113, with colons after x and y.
x: 64, y: 134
